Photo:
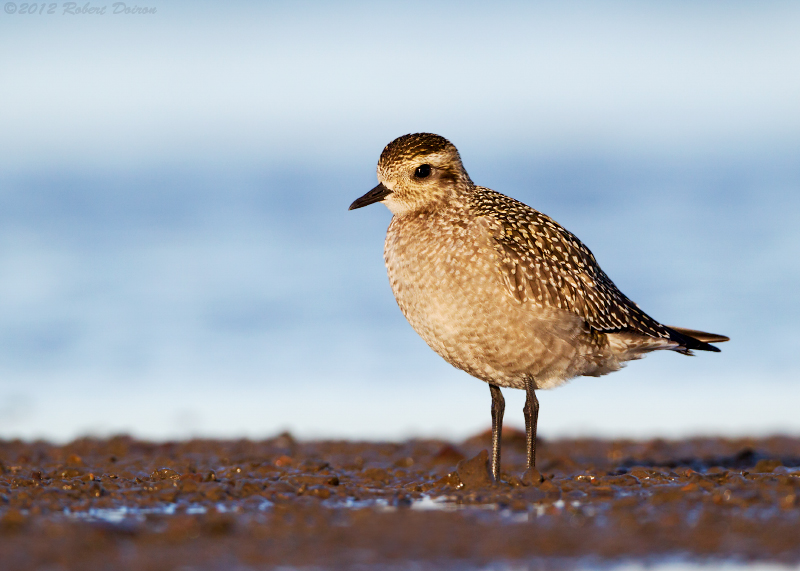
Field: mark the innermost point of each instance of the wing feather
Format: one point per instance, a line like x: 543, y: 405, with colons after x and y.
x: 543, y: 263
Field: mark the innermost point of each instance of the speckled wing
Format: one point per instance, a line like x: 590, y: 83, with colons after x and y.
x: 544, y: 264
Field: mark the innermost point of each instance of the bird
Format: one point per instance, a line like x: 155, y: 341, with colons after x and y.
x: 500, y: 290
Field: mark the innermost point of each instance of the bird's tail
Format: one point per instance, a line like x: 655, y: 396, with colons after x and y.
x: 693, y: 339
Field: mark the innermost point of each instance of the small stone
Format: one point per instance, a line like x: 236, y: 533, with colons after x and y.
x: 474, y: 473
x: 532, y: 477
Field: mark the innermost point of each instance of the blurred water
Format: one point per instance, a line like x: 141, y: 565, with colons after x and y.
x: 212, y: 295
x: 176, y: 256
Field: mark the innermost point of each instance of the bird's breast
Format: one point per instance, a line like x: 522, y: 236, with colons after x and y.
x: 445, y: 275
x: 440, y: 270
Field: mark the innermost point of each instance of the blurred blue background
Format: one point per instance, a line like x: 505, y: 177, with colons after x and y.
x: 177, y: 258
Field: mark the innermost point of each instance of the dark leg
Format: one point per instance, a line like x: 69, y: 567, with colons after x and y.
x: 498, y: 408
x: 531, y: 411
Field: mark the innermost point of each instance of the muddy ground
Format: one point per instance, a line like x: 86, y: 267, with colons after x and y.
x: 124, y: 504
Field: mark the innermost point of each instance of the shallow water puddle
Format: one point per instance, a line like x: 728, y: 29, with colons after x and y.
x: 426, y: 503
x: 125, y: 513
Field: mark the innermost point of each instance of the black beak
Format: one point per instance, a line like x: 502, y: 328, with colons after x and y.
x: 375, y: 195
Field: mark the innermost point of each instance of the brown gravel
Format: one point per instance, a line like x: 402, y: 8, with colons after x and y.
x: 124, y: 504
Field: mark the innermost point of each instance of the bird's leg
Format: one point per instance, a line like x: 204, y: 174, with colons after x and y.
x: 498, y: 408
x: 531, y: 411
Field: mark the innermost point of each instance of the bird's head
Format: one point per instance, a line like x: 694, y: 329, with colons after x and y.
x: 417, y: 172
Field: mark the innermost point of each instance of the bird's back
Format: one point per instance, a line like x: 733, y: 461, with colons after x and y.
x: 544, y: 264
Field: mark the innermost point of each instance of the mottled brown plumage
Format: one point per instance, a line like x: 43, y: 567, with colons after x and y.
x: 497, y: 288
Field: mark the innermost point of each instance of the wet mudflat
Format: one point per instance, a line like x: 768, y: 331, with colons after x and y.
x: 125, y: 504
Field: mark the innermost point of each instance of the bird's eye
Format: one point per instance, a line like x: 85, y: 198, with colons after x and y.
x: 423, y: 171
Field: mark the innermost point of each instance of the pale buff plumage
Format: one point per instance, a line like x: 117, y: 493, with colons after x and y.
x: 497, y: 288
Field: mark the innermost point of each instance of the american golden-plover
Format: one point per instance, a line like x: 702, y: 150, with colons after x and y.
x: 500, y: 290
